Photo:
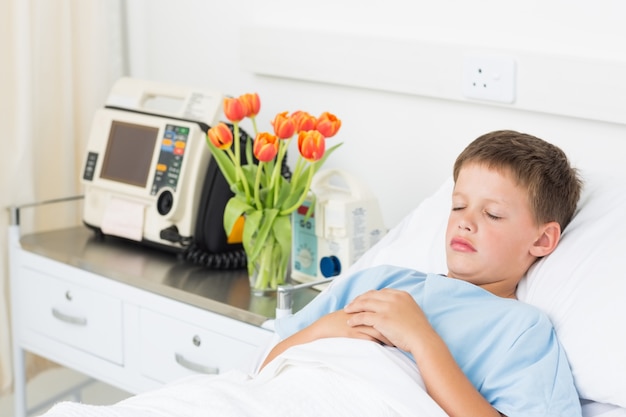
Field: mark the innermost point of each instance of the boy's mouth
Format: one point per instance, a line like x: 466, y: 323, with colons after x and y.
x: 461, y: 245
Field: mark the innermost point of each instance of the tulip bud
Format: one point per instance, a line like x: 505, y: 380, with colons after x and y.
x: 311, y: 145
x: 234, y: 109
x: 265, y: 146
x: 304, y: 121
x: 284, y: 126
x: 328, y: 124
x: 252, y: 103
x: 221, y: 136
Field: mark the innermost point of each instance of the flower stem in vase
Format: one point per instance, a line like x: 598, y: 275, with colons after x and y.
x: 269, y: 269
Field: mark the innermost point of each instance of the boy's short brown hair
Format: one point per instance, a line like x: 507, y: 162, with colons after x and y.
x: 538, y: 166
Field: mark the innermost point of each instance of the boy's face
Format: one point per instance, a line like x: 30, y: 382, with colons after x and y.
x: 490, y: 230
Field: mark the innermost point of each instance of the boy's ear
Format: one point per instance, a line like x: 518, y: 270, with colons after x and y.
x: 547, y: 241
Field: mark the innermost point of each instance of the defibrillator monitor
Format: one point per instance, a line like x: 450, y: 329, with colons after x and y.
x: 128, y: 155
x: 145, y: 166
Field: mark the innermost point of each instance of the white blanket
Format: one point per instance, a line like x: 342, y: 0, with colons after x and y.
x: 343, y: 377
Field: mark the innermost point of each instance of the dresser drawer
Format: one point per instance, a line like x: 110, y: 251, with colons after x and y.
x: 79, y: 317
x: 171, y: 348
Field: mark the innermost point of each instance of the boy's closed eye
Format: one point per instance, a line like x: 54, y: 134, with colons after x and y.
x: 492, y: 216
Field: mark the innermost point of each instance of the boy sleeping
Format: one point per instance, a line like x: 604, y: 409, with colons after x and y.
x: 478, y: 350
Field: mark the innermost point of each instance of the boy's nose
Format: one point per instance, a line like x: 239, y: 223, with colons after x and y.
x: 465, y: 225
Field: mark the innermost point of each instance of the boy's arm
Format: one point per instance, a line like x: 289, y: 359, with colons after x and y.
x: 396, y: 315
x: 331, y: 325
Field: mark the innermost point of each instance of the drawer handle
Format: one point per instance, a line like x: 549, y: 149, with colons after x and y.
x: 196, y: 367
x: 79, y: 321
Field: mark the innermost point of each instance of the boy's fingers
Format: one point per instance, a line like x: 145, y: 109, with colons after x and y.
x: 370, y: 300
x: 362, y: 302
x: 371, y: 333
x: 361, y: 319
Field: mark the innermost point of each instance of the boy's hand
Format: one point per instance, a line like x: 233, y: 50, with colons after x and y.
x: 335, y: 324
x: 392, y: 313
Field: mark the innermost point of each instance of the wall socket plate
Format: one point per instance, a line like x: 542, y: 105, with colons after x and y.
x: 489, y: 77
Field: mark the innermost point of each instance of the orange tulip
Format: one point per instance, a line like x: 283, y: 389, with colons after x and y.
x: 283, y: 125
x: 221, y: 136
x: 234, y: 109
x: 328, y: 124
x: 304, y: 121
x: 265, y: 146
x: 252, y: 103
x: 311, y: 145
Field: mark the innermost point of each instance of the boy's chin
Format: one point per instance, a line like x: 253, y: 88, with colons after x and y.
x: 464, y: 276
x: 461, y: 269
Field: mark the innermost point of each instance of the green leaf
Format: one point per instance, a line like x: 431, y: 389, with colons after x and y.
x: 262, y: 227
x: 284, y: 191
x: 282, y: 232
x: 235, y: 208
x: 249, y: 171
x: 265, y: 197
x: 297, y: 190
x: 250, y: 227
x: 223, y: 162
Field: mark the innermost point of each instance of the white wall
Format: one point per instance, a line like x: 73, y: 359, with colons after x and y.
x: 401, y: 133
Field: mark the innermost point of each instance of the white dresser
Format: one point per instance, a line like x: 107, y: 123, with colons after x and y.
x: 131, y: 316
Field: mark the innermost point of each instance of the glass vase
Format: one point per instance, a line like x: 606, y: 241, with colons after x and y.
x: 270, y: 267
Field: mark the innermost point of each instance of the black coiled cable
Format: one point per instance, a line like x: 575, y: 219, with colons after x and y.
x: 235, y: 259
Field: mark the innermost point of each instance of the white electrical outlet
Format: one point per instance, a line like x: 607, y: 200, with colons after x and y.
x: 489, y: 77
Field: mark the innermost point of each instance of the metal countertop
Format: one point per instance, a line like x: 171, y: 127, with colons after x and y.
x: 223, y: 292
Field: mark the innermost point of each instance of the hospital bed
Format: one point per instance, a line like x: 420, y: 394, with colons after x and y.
x: 581, y: 286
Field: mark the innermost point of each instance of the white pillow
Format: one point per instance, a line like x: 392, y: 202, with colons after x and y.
x: 418, y: 241
x: 581, y: 286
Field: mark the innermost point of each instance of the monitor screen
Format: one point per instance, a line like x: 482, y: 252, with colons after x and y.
x: 129, y: 153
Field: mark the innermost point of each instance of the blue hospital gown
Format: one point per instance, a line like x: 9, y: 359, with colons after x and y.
x: 507, y: 349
